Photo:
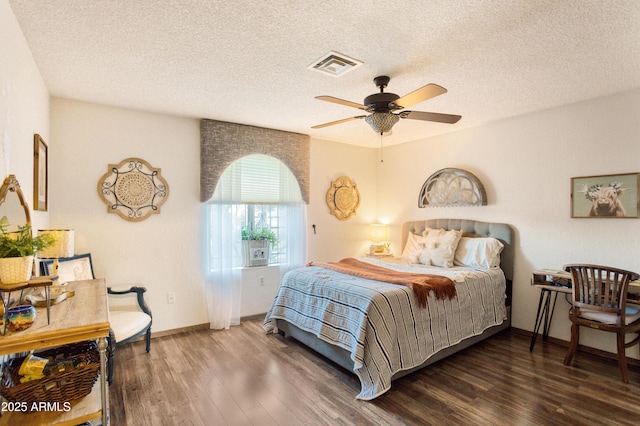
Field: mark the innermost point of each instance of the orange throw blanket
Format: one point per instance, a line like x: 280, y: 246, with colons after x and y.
x: 421, y: 284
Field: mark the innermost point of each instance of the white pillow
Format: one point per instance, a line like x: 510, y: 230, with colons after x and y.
x: 413, y: 248
x: 478, y: 253
x: 440, y: 247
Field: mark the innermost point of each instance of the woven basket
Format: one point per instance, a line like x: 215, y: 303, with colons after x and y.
x: 64, y: 386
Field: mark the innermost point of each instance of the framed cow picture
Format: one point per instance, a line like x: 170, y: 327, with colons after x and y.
x: 607, y: 196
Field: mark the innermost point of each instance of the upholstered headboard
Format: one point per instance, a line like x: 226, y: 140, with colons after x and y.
x: 470, y: 228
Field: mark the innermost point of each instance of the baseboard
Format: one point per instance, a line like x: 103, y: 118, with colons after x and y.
x: 173, y: 331
x: 197, y: 327
x: 586, y: 349
x: 253, y: 317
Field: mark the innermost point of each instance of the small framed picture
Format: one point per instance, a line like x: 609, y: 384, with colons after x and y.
x: 258, y: 254
x: 607, y: 196
x: 40, y: 174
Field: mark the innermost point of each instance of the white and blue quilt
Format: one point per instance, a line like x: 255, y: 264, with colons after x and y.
x: 381, y: 324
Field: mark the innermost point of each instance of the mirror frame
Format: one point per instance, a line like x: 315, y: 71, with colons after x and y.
x: 11, y: 185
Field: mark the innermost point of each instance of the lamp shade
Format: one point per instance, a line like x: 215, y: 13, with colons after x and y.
x: 63, y: 245
x: 381, y: 122
x: 378, y: 232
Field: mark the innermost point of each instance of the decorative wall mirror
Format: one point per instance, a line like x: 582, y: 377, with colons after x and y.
x: 13, y: 205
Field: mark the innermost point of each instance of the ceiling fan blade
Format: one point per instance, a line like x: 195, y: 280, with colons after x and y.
x: 431, y: 116
x: 344, y: 120
x: 422, y: 94
x: 341, y: 102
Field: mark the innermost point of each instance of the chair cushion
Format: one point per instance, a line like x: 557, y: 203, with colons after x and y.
x: 632, y: 314
x: 126, y: 324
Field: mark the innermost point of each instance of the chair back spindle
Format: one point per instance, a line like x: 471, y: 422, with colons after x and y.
x: 600, y: 289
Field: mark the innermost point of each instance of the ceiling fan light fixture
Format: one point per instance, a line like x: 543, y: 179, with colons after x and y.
x: 381, y: 122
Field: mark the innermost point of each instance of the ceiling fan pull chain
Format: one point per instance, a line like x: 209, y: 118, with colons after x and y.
x: 381, y: 158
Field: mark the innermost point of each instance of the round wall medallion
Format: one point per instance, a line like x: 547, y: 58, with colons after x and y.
x: 343, y: 198
x: 133, y: 189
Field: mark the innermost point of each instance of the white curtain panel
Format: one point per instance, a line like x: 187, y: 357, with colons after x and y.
x: 223, y: 262
x: 293, y: 235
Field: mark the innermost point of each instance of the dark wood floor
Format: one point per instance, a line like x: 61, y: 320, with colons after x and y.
x: 244, y: 377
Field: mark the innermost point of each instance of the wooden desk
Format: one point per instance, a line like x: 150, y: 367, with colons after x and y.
x: 82, y: 317
x: 551, y: 282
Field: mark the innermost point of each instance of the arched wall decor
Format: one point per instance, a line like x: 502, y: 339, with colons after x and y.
x: 452, y: 187
x: 133, y: 189
x: 221, y: 143
x: 343, y: 198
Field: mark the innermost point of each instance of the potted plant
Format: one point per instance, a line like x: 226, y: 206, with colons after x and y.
x: 256, y: 245
x: 17, y: 250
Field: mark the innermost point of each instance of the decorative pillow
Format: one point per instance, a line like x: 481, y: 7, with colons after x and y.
x: 440, y: 247
x: 478, y: 253
x: 413, y: 248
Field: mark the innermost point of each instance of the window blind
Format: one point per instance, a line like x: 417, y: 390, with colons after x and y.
x: 257, y: 179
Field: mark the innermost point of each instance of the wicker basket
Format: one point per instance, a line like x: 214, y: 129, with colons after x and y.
x: 64, y: 386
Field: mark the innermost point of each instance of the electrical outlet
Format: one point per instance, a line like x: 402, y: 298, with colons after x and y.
x: 261, y: 281
x: 171, y: 297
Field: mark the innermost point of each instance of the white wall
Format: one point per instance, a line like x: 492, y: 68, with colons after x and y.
x: 24, y: 108
x: 526, y: 164
x: 259, y: 286
x: 163, y: 252
x: 335, y: 239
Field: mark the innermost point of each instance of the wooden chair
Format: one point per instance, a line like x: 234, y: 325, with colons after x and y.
x: 127, y: 323
x: 600, y: 302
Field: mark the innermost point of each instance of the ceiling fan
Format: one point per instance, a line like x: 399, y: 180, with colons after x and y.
x: 383, y: 107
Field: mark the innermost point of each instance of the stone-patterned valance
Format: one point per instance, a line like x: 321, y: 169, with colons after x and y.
x: 221, y: 143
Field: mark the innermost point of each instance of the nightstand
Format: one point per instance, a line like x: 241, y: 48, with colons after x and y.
x: 379, y: 256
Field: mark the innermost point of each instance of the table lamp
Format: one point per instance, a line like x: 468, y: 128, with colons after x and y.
x: 379, y: 234
x: 62, y: 246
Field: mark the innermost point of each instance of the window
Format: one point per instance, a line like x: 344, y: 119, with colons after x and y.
x: 259, y: 191
x: 264, y: 216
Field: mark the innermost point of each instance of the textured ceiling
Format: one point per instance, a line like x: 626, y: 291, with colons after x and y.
x: 246, y: 61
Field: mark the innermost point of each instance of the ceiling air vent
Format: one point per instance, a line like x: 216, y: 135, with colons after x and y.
x: 335, y: 64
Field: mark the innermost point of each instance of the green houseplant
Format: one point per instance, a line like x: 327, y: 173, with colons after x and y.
x: 259, y: 234
x: 256, y: 245
x: 17, y: 249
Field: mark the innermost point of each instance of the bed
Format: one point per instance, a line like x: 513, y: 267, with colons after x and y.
x: 378, y: 330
